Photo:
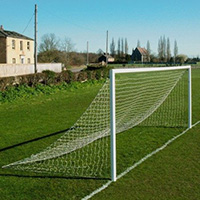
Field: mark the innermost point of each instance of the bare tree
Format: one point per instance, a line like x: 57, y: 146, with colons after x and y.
x: 148, y: 50
x: 148, y: 47
x: 168, y: 50
x: 112, y: 47
x: 175, y: 50
x: 49, y: 42
x: 126, y: 46
x: 122, y: 46
x: 119, y: 48
x: 138, y: 43
x: 162, y: 49
x: 67, y: 46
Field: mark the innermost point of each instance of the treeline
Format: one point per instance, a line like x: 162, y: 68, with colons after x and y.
x: 52, y: 49
x: 120, y: 52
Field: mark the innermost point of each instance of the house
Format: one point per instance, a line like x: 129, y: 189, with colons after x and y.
x: 15, y: 48
x: 140, y: 55
x: 103, y: 57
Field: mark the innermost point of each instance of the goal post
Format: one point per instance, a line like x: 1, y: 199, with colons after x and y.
x: 113, y: 73
x: 158, y: 97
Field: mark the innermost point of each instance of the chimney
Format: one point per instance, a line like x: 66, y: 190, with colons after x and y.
x: 1, y: 27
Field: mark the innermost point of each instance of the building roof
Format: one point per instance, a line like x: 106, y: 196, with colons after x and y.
x: 104, y: 55
x: 13, y: 34
x: 143, y: 51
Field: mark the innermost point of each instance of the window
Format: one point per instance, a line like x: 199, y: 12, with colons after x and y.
x: 22, y: 59
x: 28, y: 45
x: 21, y: 45
x: 29, y: 60
x: 14, y: 60
x: 13, y: 44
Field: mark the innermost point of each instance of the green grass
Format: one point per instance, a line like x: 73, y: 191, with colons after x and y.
x: 171, y: 174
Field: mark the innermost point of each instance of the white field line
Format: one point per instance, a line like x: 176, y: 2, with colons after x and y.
x: 138, y: 163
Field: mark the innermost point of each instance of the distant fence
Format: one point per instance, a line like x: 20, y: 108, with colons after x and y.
x: 7, y: 70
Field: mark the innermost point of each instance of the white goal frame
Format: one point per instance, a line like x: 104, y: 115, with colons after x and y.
x: 113, y: 72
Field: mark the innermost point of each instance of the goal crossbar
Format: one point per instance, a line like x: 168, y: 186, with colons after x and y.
x: 113, y: 72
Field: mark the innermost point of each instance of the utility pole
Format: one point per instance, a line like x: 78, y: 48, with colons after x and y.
x: 107, y: 48
x: 35, y: 46
x: 87, y: 52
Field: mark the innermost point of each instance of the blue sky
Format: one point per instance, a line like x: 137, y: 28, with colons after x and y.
x: 88, y: 20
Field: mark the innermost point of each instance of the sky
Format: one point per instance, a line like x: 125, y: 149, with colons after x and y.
x: 88, y: 20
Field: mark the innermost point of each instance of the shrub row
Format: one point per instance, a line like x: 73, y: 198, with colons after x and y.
x: 51, y: 78
x: 24, y: 91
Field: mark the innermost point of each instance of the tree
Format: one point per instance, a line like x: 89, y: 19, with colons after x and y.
x: 49, y: 42
x: 162, y: 49
x: 67, y: 46
x: 122, y: 46
x: 119, y: 48
x: 175, y: 51
x: 148, y: 50
x: 138, y: 43
x: 112, y: 47
x: 148, y: 47
x: 50, y: 56
x: 126, y: 47
x: 181, y: 58
x: 168, y: 50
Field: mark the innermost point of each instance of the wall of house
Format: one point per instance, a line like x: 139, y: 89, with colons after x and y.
x: 2, y: 50
x: 26, y: 54
x: 7, y: 70
x: 136, y: 56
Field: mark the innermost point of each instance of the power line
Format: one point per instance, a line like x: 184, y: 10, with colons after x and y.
x: 28, y: 23
x: 69, y: 22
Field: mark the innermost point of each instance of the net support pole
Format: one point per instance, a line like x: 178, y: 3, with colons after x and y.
x: 113, y: 126
x: 189, y: 97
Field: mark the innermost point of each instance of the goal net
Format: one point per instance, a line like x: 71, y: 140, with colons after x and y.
x: 142, y: 99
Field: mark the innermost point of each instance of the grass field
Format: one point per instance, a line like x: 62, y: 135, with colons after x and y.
x: 173, y: 173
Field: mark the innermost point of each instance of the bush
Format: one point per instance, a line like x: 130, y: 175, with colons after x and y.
x: 49, y: 76
x: 66, y: 76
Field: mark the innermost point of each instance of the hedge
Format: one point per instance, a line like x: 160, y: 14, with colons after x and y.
x: 48, y: 77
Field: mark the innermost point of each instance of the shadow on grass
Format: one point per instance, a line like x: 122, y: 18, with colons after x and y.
x: 50, y: 177
x: 33, y: 140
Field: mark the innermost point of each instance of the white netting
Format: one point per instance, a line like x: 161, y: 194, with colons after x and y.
x: 148, y: 99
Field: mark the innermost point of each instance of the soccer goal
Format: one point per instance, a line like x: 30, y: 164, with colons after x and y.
x: 130, y: 99
x: 135, y: 94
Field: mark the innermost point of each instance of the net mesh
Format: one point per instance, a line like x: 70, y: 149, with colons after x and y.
x: 144, y: 99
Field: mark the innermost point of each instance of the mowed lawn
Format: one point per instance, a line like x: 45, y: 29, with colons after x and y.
x: 173, y: 173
